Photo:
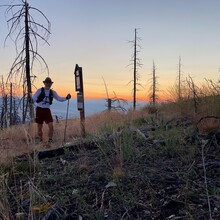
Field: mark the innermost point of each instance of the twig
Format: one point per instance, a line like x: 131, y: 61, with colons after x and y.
x: 141, y: 134
x: 102, y: 201
x: 215, y: 164
x: 205, y: 179
x: 126, y: 212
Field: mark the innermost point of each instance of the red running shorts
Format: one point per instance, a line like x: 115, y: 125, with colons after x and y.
x: 43, y: 115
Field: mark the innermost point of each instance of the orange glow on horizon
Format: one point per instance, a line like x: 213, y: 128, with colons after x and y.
x: 99, y: 93
x: 93, y: 95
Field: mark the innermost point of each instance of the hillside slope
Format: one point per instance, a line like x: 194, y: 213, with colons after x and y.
x: 140, y: 170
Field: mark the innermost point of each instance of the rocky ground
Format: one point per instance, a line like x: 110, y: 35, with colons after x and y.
x: 143, y: 171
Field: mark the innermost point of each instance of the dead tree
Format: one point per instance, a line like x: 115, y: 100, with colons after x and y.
x: 4, y: 101
x: 111, y: 101
x: 193, y: 90
x: 153, y: 88
x: 179, y: 80
x: 135, y: 69
x: 26, y: 34
x: 9, y: 105
x: 135, y: 62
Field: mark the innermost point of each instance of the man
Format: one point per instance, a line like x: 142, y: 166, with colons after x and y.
x: 44, y: 98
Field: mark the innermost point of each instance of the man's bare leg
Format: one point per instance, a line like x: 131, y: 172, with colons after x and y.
x: 50, y: 133
x: 40, y: 132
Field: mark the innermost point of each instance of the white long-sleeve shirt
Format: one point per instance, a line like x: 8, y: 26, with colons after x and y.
x: 45, y: 103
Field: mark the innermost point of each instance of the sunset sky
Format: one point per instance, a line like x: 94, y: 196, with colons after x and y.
x: 95, y: 34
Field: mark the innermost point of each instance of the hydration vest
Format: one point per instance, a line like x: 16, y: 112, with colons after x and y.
x: 42, y: 96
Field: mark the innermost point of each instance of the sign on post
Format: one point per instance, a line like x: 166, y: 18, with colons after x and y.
x: 78, y: 78
x: 80, y: 101
x: 80, y: 96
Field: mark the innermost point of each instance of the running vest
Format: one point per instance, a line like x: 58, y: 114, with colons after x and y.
x: 42, y: 96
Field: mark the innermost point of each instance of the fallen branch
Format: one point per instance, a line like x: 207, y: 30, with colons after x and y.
x: 207, y: 117
x: 210, y: 165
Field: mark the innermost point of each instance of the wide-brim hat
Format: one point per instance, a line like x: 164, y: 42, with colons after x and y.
x: 48, y: 80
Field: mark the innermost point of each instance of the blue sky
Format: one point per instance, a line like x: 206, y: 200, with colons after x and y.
x: 95, y: 34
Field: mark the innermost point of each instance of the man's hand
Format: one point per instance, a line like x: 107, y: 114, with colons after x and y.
x: 68, y: 96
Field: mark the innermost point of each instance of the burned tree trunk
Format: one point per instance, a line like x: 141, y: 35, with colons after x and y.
x: 135, y: 69
x: 179, y: 80
x: 27, y: 61
x: 154, y: 85
x: 10, y: 109
x: 153, y: 88
x: 135, y: 62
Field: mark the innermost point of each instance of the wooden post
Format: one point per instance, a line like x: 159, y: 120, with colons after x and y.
x: 82, y: 122
x: 109, y: 104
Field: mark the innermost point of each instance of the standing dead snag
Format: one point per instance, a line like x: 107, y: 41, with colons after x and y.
x: 153, y: 88
x: 26, y: 34
x: 111, y: 101
x: 193, y: 89
x: 27, y: 60
x: 153, y: 92
x: 179, y: 81
x: 8, y: 105
x: 135, y: 61
x: 135, y: 69
x: 179, y: 90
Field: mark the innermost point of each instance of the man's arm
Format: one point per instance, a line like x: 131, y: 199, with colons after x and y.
x: 60, y: 99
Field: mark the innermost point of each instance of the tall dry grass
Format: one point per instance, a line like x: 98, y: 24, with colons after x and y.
x: 21, y: 139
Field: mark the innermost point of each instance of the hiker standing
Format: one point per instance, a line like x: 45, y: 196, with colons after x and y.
x: 44, y: 98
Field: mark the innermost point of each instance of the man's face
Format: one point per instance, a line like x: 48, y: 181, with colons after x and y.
x: 47, y: 85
